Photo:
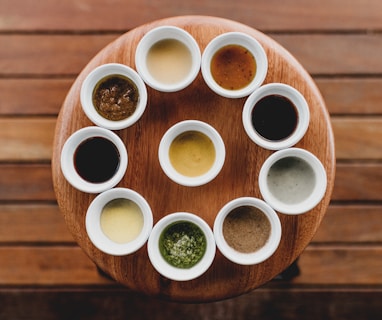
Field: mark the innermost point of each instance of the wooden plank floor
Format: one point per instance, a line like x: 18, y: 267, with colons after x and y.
x: 45, y: 44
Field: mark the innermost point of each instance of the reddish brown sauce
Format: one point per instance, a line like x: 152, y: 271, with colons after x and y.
x: 115, y: 97
x: 233, y: 67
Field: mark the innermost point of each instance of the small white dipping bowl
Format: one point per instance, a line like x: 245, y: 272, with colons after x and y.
x: 90, y: 83
x: 261, y: 254
x: 93, y: 222
x: 153, y: 37
x: 242, y: 40
x: 68, y: 166
x: 175, y: 131
x: 292, y: 181
x: 165, y: 268
x: 301, y: 108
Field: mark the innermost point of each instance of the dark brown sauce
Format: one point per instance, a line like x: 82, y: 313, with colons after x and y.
x: 115, y: 97
x: 96, y: 159
x: 274, y: 117
x: 233, y: 67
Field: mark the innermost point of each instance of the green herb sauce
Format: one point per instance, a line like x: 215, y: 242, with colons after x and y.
x: 182, y: 244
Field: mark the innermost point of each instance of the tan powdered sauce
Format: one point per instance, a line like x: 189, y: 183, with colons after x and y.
x: 192, y: 153
x: 121, y: 220
x: 169, y: 61
x: 246, y: 229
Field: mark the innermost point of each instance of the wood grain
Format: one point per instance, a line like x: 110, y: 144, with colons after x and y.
x: 358, y: 182
x: 350, y: 224
x: 59, y: 265
x: 352, y: 96
x: 48, y: 55
x: 34, y: 96
x: 316, y: 52
x: 26, y: 182
x: 30, y: 139
x: 358, y: 138
x: 33, y: 224
x: 223, y: 279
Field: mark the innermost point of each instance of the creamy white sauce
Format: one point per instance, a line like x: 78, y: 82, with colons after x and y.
x: 121, y: 220
x: 169, y: 61
x: 291, y: 180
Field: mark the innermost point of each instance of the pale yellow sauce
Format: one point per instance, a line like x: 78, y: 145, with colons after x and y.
x: 121, y: 220
x: 192, y: 153
x: 169, y: 61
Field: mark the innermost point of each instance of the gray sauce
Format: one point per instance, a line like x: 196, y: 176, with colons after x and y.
x: 291, y: 180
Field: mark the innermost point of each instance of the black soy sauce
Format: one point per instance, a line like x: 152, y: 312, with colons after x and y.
x: 274, y: 117
x: 96, y: 159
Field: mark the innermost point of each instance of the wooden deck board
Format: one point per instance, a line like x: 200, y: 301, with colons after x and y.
x: 267, y: 15
x: 37, y: 223
x: 67, y: 54
x: 59, y: 265
x: 15, y: 187
x: 35, y: 141
x: 268, y: 303
x: 43, y: 224
x: 44, y: 95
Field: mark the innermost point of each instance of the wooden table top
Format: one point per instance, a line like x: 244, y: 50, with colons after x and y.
x: 238, y: 177
x: 44, y: 273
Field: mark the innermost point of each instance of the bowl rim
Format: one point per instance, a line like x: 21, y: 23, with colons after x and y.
x: 296, y: 98
x: 241, y: 39
x: 93, y: 78
x: 263, y: 253
x: 176, y: 130
x: 67, y: 162
x: 162, y: 33
x: 162, y: 266
x: 93, y: 224
x: 315, y: 197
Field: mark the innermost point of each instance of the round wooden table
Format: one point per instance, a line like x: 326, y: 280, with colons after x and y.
x: 238, y: 177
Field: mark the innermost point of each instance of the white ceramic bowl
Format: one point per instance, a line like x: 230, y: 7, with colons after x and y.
x: 243, y: 40
x: 175, y: 131
x: 301, y: 108
x: 261, y: 254
x: 167, y: 33
x: 89, y: 84
x: 165, y: 268
x: 67, y: 159
x: 302, y: 194
x: 93, y: 222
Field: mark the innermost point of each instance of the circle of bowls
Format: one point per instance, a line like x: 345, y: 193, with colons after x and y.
x: 152, y: 233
